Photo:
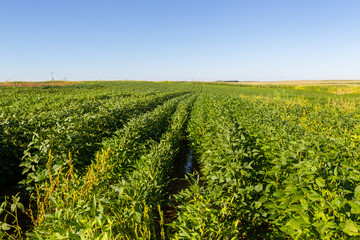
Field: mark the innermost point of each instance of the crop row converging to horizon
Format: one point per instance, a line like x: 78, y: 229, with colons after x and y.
x: 107, y: 160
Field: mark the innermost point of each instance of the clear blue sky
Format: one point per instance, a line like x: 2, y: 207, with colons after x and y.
x: 179, y: 39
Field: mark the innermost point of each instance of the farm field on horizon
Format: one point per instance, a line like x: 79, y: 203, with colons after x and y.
x: 180, y: 160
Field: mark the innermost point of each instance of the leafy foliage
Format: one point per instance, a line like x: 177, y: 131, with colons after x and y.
x: 274, y: 162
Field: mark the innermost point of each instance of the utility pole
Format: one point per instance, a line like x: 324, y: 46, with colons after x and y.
x: 52, y: 76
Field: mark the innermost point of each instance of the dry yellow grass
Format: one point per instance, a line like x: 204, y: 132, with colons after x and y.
x: 301, y: 82
x: 338, y: 87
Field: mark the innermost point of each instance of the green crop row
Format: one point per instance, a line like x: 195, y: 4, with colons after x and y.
x: 28, y: 112
x: 264, y: 174
x: 20, y: 123
x: 71, y: 132
x: 116, y: 198
x: 80, y: 135
x: 274, y: 163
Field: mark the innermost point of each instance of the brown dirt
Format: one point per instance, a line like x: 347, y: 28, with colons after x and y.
x: 37, y: 84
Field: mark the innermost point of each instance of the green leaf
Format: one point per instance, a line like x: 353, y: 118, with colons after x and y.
x: 355, y: 207
x: 350, y: 228
x: 137, y: 217
x: 294, y: 208
x: 304, y: 203
x: 13, y: 207
x: 21, y: 206
x: 5, y: 227
x: 94, y: 203
x: 259, y: 187
x: 293, y: 223
x: 314, y: 196
x: 258, y: 204
x: 320, y: 182
x: 320, y: 227
x: 357, y: 193
x: 263, y: 199
x: 53, y: 201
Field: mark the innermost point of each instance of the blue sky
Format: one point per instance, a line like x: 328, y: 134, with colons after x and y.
x: 187, y: 40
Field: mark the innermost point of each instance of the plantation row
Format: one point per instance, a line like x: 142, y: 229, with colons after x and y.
x: 64, y: 143
x: 98, y: 160
x: 135, y: 162
x: 277, y: 170
x: 59, y: 122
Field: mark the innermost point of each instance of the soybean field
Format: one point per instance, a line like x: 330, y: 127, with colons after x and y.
x: 179, y: 160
